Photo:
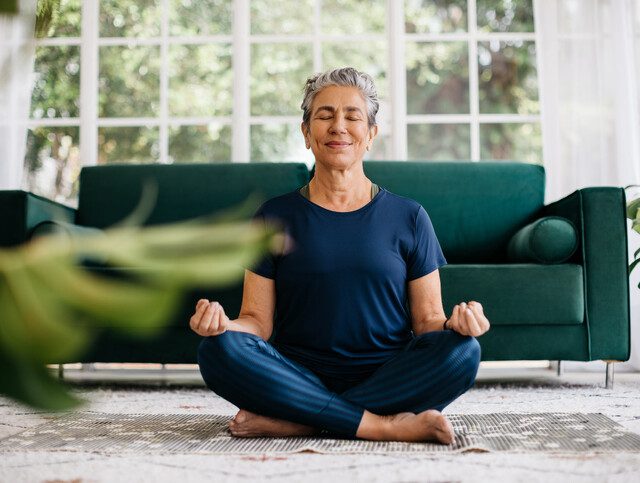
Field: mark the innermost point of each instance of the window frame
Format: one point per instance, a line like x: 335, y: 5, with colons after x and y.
x: 241, y: 41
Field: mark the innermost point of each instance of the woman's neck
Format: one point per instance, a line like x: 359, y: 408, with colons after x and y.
x: 340, y: 193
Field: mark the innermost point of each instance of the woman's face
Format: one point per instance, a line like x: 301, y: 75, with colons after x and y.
x: 338, y: 131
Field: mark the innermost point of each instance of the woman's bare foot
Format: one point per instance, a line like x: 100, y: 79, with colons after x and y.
x: 428, y: 425
x: 246, y: 424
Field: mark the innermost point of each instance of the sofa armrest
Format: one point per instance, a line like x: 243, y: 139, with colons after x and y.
x: 599, y: 216
x: 21, y: 211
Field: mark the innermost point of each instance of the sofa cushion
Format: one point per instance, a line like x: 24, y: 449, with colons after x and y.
x: 551, y: 239
x: 475, y: 208
x: 518, y: 294
x: 109, y: 193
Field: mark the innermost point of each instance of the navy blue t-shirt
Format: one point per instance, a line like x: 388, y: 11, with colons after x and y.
x: 341, y: 283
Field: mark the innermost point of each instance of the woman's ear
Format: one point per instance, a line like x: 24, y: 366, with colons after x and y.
x: 305, y: 134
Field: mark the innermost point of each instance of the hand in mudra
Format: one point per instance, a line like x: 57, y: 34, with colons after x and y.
x: 468, y: 319
x: 209, y: 319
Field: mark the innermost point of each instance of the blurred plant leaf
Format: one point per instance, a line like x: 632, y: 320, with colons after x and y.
x: 51, y: 307
x: 29, y: 382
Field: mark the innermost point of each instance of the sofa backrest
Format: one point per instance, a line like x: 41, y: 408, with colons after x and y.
x: 109, y: 193
x: 475, y: 208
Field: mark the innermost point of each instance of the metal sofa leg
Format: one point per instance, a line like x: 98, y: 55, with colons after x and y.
x: 60, y: 371
x: 559, y: 369
x: 608, y: 383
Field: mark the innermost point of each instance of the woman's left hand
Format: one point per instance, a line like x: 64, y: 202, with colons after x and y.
x: 468, y: 319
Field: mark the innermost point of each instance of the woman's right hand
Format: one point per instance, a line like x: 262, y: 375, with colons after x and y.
x: 209, y: 319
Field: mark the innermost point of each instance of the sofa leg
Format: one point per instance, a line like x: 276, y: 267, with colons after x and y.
x: 608, y: 383
x: 559, y: 369
x: 60, y: 371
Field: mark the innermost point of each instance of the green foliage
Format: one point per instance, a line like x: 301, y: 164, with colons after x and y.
x: 437, y: 78
x: 200, y: 80
x: 8, y: 6
x: 435, y: 16
x: 52, y: 308
x: 129, y: 81
x: 633, y: 213
x: 134, y: 145
x: 200, y: 144
x: 201, y: 17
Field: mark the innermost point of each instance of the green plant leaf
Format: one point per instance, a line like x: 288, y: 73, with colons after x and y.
x: 633, y: 265
x: 36, y: 324
x: 632, y: 209
x: 119, y: 304
x: 32, y: 384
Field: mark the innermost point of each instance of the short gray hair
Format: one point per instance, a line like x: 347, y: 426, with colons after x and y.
x: 345, y: 76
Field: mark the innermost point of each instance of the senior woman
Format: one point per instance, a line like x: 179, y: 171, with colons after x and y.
x: 348, y: 357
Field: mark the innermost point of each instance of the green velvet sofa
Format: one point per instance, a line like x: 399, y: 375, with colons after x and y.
x: 574, y: 310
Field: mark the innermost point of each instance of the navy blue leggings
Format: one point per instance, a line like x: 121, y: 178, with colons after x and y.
x: 429, y: 373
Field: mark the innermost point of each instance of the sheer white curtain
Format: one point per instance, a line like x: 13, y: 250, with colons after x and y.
x: 589, y: 75
x: 17, y: 49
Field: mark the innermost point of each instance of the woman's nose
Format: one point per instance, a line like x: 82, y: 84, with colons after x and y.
x: 338, y: 125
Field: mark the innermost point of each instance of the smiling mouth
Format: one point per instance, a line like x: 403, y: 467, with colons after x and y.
x: 338, y: 145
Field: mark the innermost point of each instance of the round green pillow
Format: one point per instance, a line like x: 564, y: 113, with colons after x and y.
x: 551, y: 239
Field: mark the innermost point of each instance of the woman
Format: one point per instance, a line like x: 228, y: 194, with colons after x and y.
x: 348, y: 357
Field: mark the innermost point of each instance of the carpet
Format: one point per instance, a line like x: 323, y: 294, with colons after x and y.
x: 207, y: 433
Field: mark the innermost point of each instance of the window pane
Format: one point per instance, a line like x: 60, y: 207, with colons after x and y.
x: 439, y: 142
x: 52, y: 162
x: 279, y: 142
x: 281, y: 16
x: 131, y: 18
x: 202, y: 17
x: 130, y: 145
x: 200, y: 144
x: 508, y: 82
x: 129, y: 84
x: 200, y: 80
x: 435, y: 16
x: 513, y: 142
x: 56, y: 87
x: 505, y: 15
x: 353, y: 17
x: 278, y: 74
x: 65, y: 21
x: 369, y: 57
x: 437, y: 78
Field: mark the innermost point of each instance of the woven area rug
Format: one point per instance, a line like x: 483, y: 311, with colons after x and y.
x: 186, y: 433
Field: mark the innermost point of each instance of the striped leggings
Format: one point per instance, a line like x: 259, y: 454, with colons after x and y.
x: 430, y: 372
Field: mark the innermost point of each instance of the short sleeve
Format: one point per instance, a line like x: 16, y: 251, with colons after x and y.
x: 427, y: 255
x: 266, y: 266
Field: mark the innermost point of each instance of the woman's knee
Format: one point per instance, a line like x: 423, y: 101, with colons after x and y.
x: 217, y: 352
x: 467, y: 351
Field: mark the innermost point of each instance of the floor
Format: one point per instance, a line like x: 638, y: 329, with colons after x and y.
x: 179, y: 390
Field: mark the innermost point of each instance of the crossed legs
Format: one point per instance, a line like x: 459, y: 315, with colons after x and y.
x: 401, y: 400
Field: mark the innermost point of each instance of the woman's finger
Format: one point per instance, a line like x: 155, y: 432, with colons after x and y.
x: 205, y: 321
x: 194, y: 322
x: 472, y: 323
x: 483, y: 322
x: 218, y: 325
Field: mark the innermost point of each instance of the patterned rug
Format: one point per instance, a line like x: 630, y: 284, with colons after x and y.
x: 186, y: 433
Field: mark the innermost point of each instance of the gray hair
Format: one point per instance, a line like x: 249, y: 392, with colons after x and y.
x: 345, y: 76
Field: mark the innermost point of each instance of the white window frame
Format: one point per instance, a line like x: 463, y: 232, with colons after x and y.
x: 241, y: 119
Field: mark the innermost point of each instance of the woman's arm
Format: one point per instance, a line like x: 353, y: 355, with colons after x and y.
x: 425, y: 303
x: 258, y: 306
x: 427, y: 312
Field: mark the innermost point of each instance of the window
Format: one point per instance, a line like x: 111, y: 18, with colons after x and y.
x: 174, y: 81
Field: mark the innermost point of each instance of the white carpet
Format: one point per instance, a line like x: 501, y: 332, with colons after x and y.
x: 496, y: 391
